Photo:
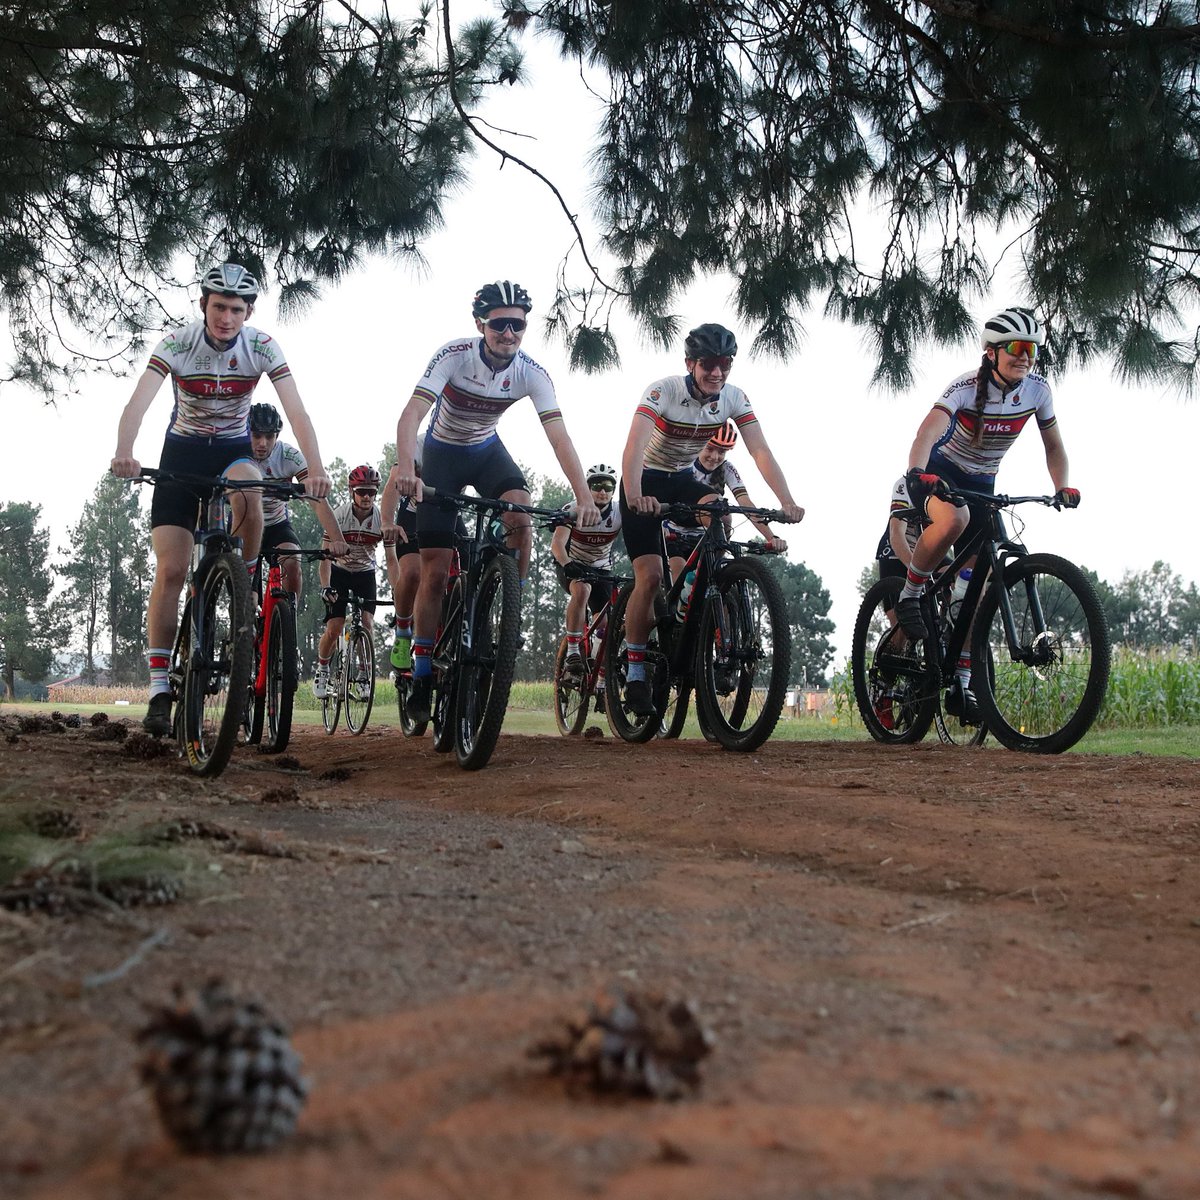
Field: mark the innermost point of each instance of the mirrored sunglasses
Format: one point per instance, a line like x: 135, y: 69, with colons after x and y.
x: 500, y: 324
x: 364, y: 491
x: 602, y: 485
x: 716, y: 362
x: 1018, y: 348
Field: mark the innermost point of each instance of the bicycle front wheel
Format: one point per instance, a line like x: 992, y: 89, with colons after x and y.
x: 571, y: 695
x: 218, y: 672
x: 485, y: 678
x: 359, y: 680
x: 743, y: 655
x: 895, y: 680
x: 626, y: 725
x: 331, y: 702
x: 283, y: 676
x: 1046, y: 690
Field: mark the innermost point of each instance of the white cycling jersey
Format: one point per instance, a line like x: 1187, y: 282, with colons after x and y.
x: 593, y: 545
x: 213, y: 387
x: 1004, y: 416
x: 361, y: 537
x: 284, y: 462
x: 469, y: 397
x: 683, y: 424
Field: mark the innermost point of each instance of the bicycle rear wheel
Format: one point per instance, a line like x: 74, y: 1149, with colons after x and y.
x: 283, y: 676
x: 895, y: 680
x: 743, y: 655
x: 218, y: 672
x: 359, y: 687
x: 621, y: 721
x: 675, y: 717
x: 331, y: 702
x: 1044, y: 697
x: 485, y: 677
x: 571, y: 695
x: 254, y: 720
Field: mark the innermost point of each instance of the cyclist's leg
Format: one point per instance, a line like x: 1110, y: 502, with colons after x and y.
x: 494, y: 473
x: 246, y: 508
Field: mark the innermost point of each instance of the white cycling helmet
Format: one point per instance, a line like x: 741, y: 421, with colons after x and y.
x: 602, y: 471
x: 230, y: 279
x: 1012, y: 324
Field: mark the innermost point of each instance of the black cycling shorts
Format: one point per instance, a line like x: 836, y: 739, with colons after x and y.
x: 489, y: 469
x: 407, y: 520
x: 958, y: 478
x: 361, y: 583
x: 279, y: 534
x: 176, y: 504
x: 643, y: 534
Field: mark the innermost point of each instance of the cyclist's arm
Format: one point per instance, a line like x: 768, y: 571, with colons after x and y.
x: 769, y: 469
x: 333, y: 536
x: 1056, y: 457
x: 633, y: 463
x: 389, y: 501
x: 935, y: 424
x: 586, y: 512
x: 898, y: 539
x: 124, y: 465
x: 324, y: 571
x: 558, y: 545
x: 316, y: 482
x: 406, y: 446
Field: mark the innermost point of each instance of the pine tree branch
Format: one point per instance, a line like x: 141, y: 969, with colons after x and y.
x: 505, y: 155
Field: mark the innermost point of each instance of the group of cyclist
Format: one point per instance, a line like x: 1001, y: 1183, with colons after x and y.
x: 683, y: 428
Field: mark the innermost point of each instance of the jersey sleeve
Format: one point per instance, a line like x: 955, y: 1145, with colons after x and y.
x: 1045, y: 408
x: 541, y: 391
x: 735, y: 483
x: 438, y: 372
x: 268, y: 356
x: 294, y: 462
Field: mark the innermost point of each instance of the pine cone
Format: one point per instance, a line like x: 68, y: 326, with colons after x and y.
x: 643, y: 1045
x: 54, y: 823
x: 225, y: 1077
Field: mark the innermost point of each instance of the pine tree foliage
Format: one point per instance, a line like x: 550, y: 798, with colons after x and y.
x: 141, y: 139
x: 30, y: 631
x: 773, y: 139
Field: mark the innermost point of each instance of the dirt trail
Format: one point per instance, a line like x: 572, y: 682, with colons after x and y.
x: 930, y: 972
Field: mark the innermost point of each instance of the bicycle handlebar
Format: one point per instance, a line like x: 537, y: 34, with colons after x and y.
x: 720, y: 508
x: 283, y: 489
x: 984, y: 500
x: 480, y: 503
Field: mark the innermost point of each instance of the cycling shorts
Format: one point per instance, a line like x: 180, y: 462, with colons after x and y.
x: 361, y: 583
x: 958, y: 478
x: 177, y: 504
x: 597, y: 597
x: 488, y: 468
x: 279, y: 534
x: 643, y: 533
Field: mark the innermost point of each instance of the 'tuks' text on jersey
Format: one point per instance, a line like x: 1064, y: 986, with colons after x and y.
x: 683, y: 425
x: 213, y: 387
x: 469, y: 397
x: 1004, y: 416
x: 593, y: 545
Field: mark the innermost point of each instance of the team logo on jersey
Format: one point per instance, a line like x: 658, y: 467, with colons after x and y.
x: 204, y: 362
x: 656, y: 394
x: 1016, y: 399
x: 233, y: 362
x: 714, y: 407
x: 505, y: 384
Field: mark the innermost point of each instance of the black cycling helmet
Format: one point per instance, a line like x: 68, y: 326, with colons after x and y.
x: 710, y: 341
x: 230, y: 279
x: 265, y: 418
x: 501, y: 294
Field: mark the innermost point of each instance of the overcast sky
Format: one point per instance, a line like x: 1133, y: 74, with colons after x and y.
x: 358, y: 352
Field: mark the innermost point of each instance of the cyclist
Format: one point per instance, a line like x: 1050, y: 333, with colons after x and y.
x: 578, y: 549
x: 214, y: 364
x: 402, y: 556
x: 895, y: 546
x: 280, y: 460
x: 675, y: 419
x: 361, y: 527
x: 960, y: 444
x: 710, y: 467
x: 470, y: 383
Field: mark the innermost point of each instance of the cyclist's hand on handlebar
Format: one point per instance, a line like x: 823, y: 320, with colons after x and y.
x: 774, y: 544
x: 1067, y: 497
x: 329, y: 595
x: 408, y: 483
x: 390, y: 533
x: 646, y: 505
x: 335, y: 548
x: 574, y: 570
x: 922, y: 484
x: 586, y: 513
x: 792, y: 512
x: 125, y: 468
x: 317, y: 485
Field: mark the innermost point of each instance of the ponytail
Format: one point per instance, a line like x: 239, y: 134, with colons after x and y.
x: 982, y: 382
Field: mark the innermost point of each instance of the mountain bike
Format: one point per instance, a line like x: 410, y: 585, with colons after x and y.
x: 276, y: 671
x: 475, y: 652
x: 572, y: 693
x: 211, y: 661
x: 728, y: 638
x: 1039, y: 644
x: 352, y: 672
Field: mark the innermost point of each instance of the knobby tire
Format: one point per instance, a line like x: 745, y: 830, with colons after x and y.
x: 359, y: 680
x: 624, y: 724
x: 283, y: 677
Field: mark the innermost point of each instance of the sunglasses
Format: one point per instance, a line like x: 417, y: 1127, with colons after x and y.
x: 364, y: 491
x: 500, y: 324
x: 716, y: 362
x: 1016, y: 349
x: 603, y: 487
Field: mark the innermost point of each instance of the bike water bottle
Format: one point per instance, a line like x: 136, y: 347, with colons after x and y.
x: 959, y: 591
x: 685, y: 595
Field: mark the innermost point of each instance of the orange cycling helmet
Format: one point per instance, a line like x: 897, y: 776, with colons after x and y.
x: 725, y: 438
